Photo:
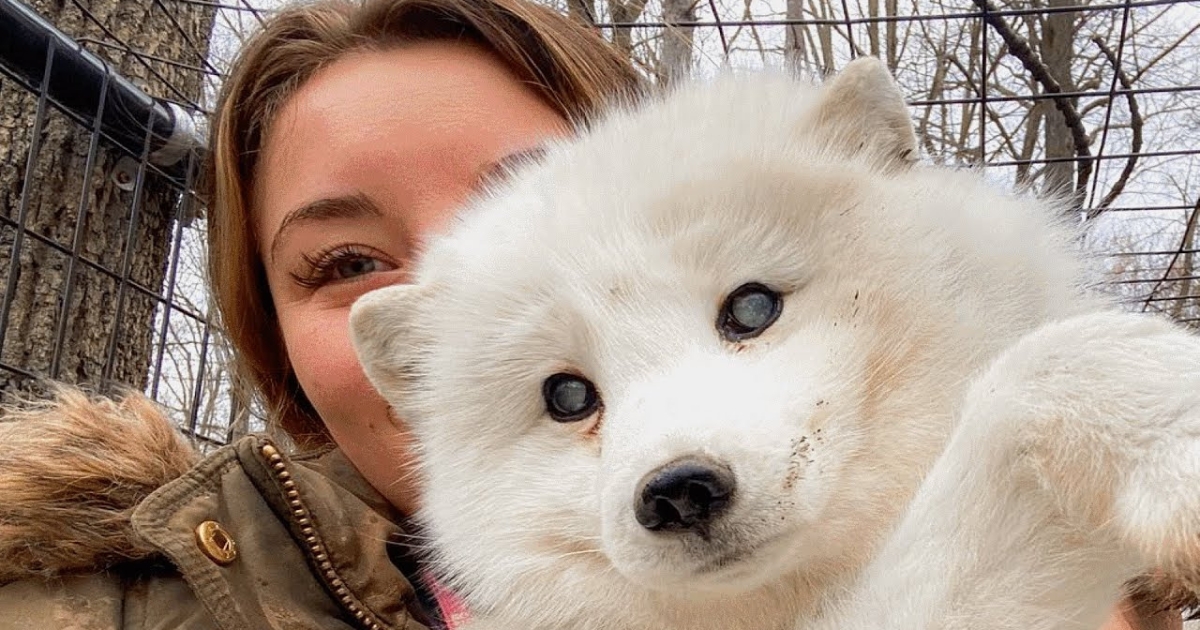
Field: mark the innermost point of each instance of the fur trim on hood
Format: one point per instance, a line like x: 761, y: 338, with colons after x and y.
x: 72, y: 470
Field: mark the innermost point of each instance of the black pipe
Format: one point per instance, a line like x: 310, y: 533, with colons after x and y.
x: 28, y: 44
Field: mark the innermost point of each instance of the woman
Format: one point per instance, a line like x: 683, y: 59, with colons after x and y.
x: 345, y: 134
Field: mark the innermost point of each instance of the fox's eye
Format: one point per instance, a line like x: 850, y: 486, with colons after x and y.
x: 748, y: 311
x: 569, y: 397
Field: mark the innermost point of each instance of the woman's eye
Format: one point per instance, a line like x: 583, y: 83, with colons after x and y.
x: 569, y: 397
x: 356, y: 266
x: 339, y: 264
x: 748, y: 311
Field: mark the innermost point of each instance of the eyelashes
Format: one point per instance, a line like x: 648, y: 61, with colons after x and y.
x: 339, y: 263
x: 347, y: 263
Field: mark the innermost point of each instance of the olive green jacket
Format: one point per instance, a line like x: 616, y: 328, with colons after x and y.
x: 246, y: 539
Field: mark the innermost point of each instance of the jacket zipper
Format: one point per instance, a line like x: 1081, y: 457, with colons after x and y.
x: 316, y: 548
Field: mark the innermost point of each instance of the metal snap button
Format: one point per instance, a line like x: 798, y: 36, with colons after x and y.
x: 215, y: 542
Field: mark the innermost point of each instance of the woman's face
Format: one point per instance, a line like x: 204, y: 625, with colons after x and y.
x: 366, y: 160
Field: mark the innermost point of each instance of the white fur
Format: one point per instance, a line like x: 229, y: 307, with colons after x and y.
x: 1075, y: 461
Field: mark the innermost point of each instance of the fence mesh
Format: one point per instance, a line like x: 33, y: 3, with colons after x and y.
x: 101, y: 250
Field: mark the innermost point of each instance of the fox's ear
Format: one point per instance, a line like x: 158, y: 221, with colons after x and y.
x: 862, y: 111
x: 386, y: 333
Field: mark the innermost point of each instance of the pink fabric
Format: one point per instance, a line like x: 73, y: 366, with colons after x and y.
x: 454, y: 612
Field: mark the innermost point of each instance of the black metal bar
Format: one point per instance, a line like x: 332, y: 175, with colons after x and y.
x: 60, y: 333
x: 18, y: 370
x: 194, y: 412
x: 182, y: 210
x: 79, y: 77
x: 1155, y: 253
x: 147, y: 56
x: 135, y: 215
x: 1029, y: 98
x: 940, y: 17
x: 1153, y: 280
x: 1150, y: 298
x: 1146, y: 208
x: 1110, y: 156
x: 170, y: 85
x: 35, y: 147
x: 1112, y: 91
x: 105, y: 271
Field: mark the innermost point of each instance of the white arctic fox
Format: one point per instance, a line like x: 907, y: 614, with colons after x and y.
x: 731, y: 360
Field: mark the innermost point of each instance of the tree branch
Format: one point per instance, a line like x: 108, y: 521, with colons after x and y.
x: 1020, y: 49
x: 1183, y: 245
x: 1135, y: 126
x: 582, y: 10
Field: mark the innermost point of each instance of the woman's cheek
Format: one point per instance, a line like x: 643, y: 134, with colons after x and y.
x: 355, y: 414
x: 328, y: 369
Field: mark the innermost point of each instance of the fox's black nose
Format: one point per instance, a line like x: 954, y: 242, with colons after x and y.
x: 684, y: 494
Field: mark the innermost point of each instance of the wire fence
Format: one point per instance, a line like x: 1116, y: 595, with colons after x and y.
x: 99, y: 242
x: 102, y: 252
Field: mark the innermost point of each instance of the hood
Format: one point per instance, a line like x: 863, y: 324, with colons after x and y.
x: 72, y: 469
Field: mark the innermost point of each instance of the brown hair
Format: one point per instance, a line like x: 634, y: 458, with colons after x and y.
x: 567, y: 63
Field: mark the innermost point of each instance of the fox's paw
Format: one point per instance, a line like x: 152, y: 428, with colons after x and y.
x: 1156, y: 502
x: 1103, y: 413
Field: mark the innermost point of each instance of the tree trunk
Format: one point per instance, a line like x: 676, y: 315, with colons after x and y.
x: 826, y: 62
x: 1183, y: 309
x: 582, y: 11
x: 1057, y: 49
x: 675, y: 60
x: 105, y: 332
x: 625, y: 12
x: 794, y: 49
x: 873, y: 27
x: 893, y: 52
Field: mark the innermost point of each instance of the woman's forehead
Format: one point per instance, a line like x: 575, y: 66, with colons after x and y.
x: 408, y: 96
x: 393, y: 123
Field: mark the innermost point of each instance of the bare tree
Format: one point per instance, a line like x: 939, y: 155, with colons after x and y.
x: 677, y: 39
x: 795, y: 51
x: 1003, y: 89
x: 582, y: 10
x: 625, y: 12
x: 1056, y: 34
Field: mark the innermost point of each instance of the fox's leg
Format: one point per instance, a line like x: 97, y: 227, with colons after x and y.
x: 1076, y: 467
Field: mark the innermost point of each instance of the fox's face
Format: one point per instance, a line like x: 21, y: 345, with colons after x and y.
x: 676, y: 361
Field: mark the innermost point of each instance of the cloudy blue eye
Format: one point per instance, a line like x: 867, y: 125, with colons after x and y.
x: 748, y: 311
x: 569, y: 397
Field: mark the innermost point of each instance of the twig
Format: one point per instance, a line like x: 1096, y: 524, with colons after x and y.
x: 1019, y: 48
x: 1135, y: 126
x: 1188, y: 231
x: 1165, y: 52
x: 712, y: 5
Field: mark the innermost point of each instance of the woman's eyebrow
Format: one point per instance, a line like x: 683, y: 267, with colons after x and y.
x: 500, y: 169
x: 346, y: 207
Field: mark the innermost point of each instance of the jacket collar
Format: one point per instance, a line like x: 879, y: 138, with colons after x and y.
x: 283, y: 514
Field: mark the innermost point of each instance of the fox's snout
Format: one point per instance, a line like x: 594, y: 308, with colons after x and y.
x: 683, y: 495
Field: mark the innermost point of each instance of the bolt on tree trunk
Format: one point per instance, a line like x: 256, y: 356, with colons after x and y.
x: 75, y: 335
